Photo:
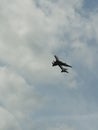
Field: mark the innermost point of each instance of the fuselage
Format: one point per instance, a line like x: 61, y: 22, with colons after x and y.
x: 55, y: 63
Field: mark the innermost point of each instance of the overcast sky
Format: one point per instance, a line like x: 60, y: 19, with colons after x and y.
x: 33, y: 94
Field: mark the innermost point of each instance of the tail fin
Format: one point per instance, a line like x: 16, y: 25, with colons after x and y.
x: 64, y: 70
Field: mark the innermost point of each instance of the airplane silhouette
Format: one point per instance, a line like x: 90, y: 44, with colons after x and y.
x: 60, y: 64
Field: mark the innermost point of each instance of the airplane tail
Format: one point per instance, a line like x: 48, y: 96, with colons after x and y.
x: 64, y: 70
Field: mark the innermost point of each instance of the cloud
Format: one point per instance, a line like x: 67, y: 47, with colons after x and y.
x: 32, y: 31
x: 61, y: 127
x: 29, y: 41
x: 17, y: 96
x: 8, y: 121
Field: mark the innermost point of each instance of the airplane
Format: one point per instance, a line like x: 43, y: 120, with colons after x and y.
x: 60, y: 64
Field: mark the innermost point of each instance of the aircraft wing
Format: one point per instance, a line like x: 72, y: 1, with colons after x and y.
x: 56, y: 57
x: 64, y: 64
x: 62, y: 67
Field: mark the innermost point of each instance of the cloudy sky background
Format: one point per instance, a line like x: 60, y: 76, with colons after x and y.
x: 33, y: 94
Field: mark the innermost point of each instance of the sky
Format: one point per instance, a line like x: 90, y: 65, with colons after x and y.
x: 33, y: 94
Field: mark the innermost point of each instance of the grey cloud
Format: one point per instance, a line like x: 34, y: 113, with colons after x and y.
x: 8, y: 121
x: 17, y: 96
x: 28, y: 39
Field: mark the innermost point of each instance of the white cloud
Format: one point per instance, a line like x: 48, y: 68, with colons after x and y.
x: 31, y: 32
x: 29, y: 41
x: 8, y: 121
x: 93, y: 22
x: 84, y: 54
x: 61, y: 127
x: 19, y: 98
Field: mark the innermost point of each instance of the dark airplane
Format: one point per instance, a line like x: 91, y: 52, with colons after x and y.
x: 60, y: 64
